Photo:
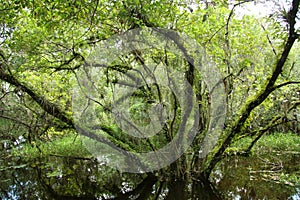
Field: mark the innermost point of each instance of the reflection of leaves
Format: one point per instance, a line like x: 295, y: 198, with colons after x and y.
x: 287, y: 179
x: 19, y: 166
x: 53, y: 174
x: 13, y: 167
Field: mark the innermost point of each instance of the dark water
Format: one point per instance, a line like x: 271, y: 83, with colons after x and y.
x: 259, y: 177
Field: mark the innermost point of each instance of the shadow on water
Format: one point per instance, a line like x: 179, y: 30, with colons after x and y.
x: 260, y: 177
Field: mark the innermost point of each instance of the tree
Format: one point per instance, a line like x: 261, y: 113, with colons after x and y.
x: 45, y: 46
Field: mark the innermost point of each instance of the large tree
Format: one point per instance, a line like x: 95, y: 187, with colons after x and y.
x: 45, y: 46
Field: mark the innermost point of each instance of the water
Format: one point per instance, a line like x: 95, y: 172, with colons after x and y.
x: 269, y: 176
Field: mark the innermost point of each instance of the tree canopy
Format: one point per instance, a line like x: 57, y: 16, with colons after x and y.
x: 45, y: 46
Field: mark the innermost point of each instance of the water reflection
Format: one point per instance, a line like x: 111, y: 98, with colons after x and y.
x: 259, y: 177
x: 74, y: 178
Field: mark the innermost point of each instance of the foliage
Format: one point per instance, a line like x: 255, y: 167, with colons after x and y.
x: 45, y: 44
x: 65, y: 146
x: 279, y: 142
x: 275, y: 142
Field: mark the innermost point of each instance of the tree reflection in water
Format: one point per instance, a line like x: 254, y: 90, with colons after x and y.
x: 74, y: 178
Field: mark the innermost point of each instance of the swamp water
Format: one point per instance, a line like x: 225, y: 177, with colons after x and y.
x: 273, y: 176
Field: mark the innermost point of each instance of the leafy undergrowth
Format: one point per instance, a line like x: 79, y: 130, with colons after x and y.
x: 275, y: 142
x: 66, y: 146
x: 279, y: 142
x: 72, y: 146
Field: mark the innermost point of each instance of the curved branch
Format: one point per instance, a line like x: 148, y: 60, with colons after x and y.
x: 284, y: 84
x: 277, y: 120
x: 46, y: 105
x: 259, y: 97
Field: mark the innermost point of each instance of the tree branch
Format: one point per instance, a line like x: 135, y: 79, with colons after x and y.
x: 46, y: 105
x: 269, y: 40
x: 258, y: 98
x: 284, y: 84
x: 279, y: 119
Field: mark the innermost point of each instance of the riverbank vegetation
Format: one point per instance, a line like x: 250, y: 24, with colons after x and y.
x: 194, y: 82
x: 71, y: 145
